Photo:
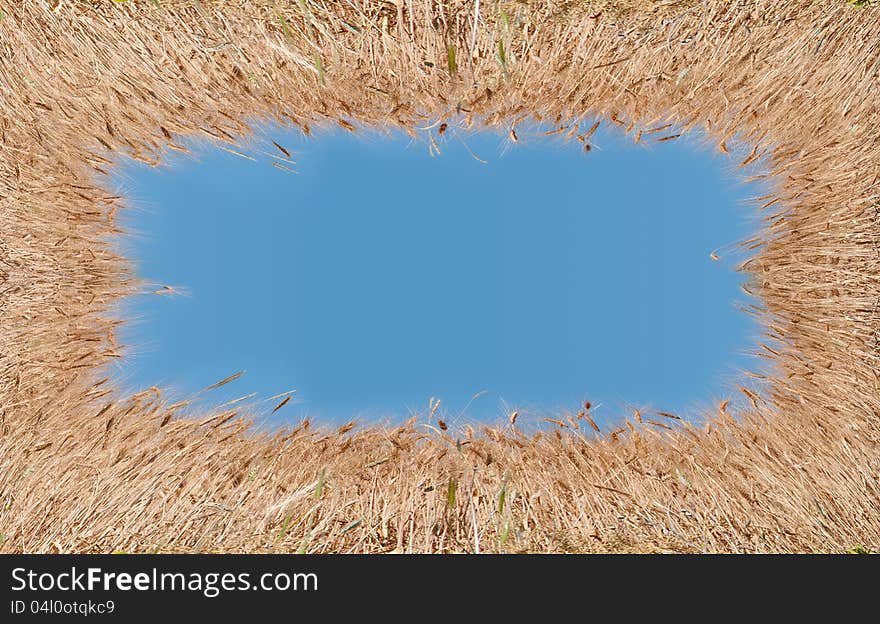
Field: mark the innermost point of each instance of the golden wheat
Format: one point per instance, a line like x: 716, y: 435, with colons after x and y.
x: 86, y: 468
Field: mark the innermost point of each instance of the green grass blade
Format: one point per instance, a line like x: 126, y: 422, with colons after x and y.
x: 450, y: 60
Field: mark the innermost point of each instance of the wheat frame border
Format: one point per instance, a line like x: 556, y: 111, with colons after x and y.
x: 84, y: 83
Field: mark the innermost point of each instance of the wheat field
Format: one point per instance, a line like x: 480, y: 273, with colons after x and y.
x: 86, y: 468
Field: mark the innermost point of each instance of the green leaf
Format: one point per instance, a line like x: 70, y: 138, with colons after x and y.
x: 319, y: 65
x: 284, y: 526
x: 285, y: 27
x: 505, y: 532
x: 501, y: 496
x: 450, y: 59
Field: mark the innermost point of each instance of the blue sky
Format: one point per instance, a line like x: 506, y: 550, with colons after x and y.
x: 380, y: 276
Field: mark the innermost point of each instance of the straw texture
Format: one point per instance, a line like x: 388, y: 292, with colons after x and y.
x: 85, y: 468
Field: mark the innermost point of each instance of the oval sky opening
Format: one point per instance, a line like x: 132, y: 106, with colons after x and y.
x: 379, y: 276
